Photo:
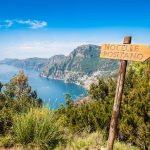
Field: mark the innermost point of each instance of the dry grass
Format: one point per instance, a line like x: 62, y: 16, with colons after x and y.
x: 93, y: 141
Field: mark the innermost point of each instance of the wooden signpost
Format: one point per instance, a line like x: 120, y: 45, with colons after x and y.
x: 132, y: 52
x: 123, y: 52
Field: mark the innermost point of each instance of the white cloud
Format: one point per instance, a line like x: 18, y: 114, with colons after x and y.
x: 39, y: 49
x: 9, y: 23
x: 6, y: 24
x: 53, y: 42
x: 33, y: 24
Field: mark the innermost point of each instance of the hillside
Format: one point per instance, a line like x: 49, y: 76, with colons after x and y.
x: 27, y: 124
x: 30, y: 63
x: 82, y: 66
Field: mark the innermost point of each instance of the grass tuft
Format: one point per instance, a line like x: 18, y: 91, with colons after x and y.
x: 38, y: 128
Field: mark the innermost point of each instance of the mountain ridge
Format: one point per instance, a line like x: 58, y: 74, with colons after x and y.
x: 82, y: 66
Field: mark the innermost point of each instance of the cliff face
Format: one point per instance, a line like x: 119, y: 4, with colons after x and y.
x: 82, y: 66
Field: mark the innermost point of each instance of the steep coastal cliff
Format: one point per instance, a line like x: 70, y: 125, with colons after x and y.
x: 82, y: 66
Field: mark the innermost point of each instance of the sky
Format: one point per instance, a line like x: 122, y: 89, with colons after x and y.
x: 43, y: 28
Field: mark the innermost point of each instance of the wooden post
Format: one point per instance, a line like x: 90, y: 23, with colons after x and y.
x: 118, y: 98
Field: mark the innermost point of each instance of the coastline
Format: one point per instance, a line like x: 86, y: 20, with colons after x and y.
x: 85, y: 80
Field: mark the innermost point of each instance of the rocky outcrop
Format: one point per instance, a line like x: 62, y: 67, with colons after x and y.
x: 82, y: 66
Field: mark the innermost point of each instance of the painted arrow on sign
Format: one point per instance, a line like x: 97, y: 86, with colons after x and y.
x: 133, y: 52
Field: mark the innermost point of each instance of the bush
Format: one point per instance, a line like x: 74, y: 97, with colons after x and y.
x: 15, y: 97
x: 134, y: 124
x: 92, y: 116
x: 38, y: 128
x: 99, y: 91
x: 135, y: 112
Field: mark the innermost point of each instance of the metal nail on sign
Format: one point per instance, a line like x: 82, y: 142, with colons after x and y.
x: 133, y: 52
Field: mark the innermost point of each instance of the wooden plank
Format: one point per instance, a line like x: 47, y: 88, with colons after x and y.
x: 133, y: 52
x: 118, y: 99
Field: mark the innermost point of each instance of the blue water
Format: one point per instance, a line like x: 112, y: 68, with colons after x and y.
x: 52, y: 92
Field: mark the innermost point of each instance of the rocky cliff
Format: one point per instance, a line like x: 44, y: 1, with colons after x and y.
x: 82, y: 66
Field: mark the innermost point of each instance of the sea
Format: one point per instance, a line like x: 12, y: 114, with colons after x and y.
x: 52, y: 92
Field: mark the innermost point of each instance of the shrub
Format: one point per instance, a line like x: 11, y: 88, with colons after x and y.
x: 92, y: 116
x: 15, y: 97
x: 134, y: 124
x: 99, y: 91
x: 21, y: 93
x: 37, y: 127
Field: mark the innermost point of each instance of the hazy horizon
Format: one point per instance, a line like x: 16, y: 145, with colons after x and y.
x: 45, y: 28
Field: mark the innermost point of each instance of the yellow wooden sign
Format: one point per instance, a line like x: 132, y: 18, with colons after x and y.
x: 133, y: 52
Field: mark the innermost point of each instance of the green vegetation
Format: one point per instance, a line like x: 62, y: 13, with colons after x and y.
x: 15, y: 97
x: 24, y: 122
x: 92, y: 141
x: 134, y: 124
x: 38, y: 128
